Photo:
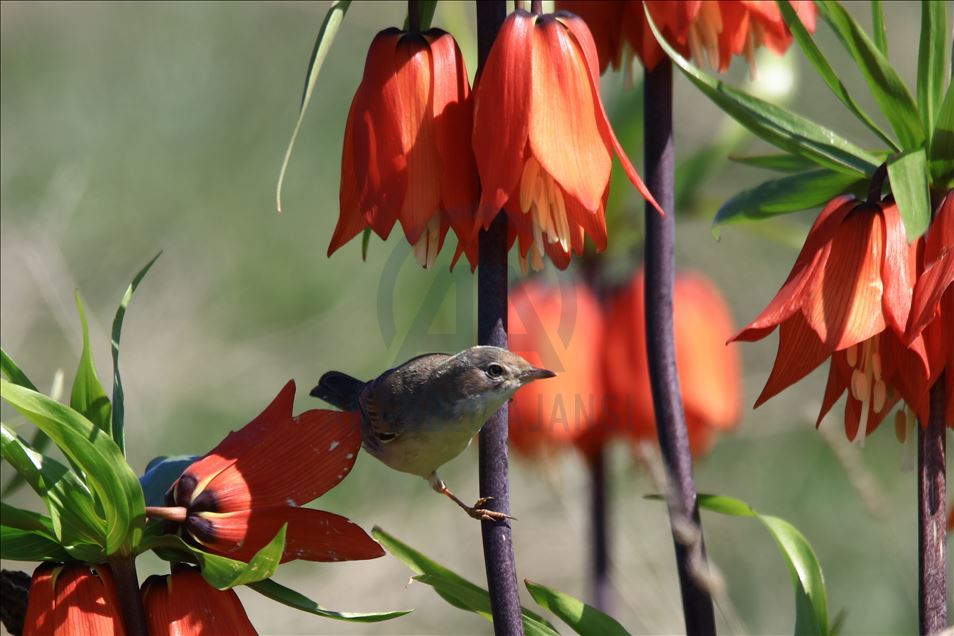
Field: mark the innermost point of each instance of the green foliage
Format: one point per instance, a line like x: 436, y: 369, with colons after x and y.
x: 296, y: 600
x: 932, y: 56
x: 40, y: 441
x: 88, y: 397
x: 582, y: 618
x: 908, y: 174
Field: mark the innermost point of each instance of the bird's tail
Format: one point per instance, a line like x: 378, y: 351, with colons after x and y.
x: 339, y: 389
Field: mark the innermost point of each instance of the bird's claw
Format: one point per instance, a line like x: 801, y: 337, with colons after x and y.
x: 477, y: 511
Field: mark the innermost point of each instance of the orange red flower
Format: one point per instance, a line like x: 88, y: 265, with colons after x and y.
x: 538, y: 97
x: 714, y: 30
x: 848, y: 297
x: 73, y: 599
x: 406, y: 154
x: 238, y: 496
x: 183, y: 604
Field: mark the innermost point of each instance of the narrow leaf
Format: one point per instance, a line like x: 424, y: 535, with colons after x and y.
x: 786, y: 194
x: 29, y: 545
x: 889, y: 91
x: 582, y: 618
x: 115, y: 485
x: 287, y: 596
x: 877, y: 26
x: 942, y: 143
x: 776, y: 125
x: 13, y: 373
x: 326, y: 35
x: 88, y: 397
x: 160, y: 474
x: 782, y: 162
x: 931, y: 60
x: 825, y: 70
x: 425, y: 14
x: 909, y: 184
x: 119, y: 405
x: 365, y: 242
x: 26, y: 520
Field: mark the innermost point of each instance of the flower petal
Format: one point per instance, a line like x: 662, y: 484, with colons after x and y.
x: 312, y: 535
x: 839, y: 375
x: 184, y: 604
x: 86, y: 602
x: 936, y: 279
x: 800, y: 351
x: 501, y: 114
x: 898, y: 272
x: 351, y: 221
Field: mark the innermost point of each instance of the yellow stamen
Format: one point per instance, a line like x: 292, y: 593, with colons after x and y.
x: 542, y: 199
x: 852, y: 353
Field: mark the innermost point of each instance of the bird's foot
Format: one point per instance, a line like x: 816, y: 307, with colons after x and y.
x: 477, y: 511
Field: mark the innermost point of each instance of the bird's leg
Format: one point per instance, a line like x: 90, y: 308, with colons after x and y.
x: 477, y: 511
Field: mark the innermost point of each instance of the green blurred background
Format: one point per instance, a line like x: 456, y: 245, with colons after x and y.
x: 133, y: 128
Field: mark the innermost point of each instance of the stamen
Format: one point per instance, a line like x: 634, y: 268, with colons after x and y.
x: 860, y: 388
x: 907, y: 464
x: 528, y: 182
x: 852, y: 353
x: 879, y: 395
x: 876, y: 365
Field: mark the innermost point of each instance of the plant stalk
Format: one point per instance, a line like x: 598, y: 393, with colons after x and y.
x: 600, y: 587
x: 932, y: 531
x: 413, y: 16
x: 499, y: 559
x: 661, y: 350
x: 123, y: 568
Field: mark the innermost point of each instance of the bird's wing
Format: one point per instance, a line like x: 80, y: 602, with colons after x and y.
x: 388, y: 399
x: 378, y: 426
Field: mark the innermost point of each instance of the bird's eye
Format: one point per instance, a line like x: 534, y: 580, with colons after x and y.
x: 495, y: 370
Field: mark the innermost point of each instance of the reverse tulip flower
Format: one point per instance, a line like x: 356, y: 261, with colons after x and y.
x: 73, y: 599
x: 182, y: 604
x: 558, y: 328
x: 848, y: 297
x: 715, y: 31
x: 407, y: 154
x: 235, y: 499
x: 709, y: 372
x: 541, y: 138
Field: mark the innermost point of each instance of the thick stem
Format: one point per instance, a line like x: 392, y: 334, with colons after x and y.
x: 667, y: 399
x: 536, y: 6
x: 127, y: 587
x: 600, y: 590
x: 932, y: 560
x: 413, y: 16
x: 499, y: 558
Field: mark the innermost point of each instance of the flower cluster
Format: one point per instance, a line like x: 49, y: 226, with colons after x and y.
x: 878, y: 307
x: 602, y: 389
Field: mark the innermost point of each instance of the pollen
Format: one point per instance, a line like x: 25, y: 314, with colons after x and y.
x: 867, y: 385
x: 542, y: 199
x: 426, y: 248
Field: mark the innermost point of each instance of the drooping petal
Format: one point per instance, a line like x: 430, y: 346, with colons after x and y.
x: 839, y: 375
x: 607, y: 21
x: 899, y: 270
x: 581, y: 35
x: 73, y: 599
x: 502, y: 94
x: 814, y: 253
x: 800, y: 351
x: 351, y: 221
x: 39, y: 613
x: 563, y: 115
x: 183, y: 604
x: 312, y: 535
x: 844, y: 304
x: 936, y: 279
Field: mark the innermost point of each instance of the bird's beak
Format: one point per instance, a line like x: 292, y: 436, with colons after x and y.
x: 535, y: 374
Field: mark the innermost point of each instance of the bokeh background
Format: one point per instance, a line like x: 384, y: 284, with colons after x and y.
x: 132, y: 128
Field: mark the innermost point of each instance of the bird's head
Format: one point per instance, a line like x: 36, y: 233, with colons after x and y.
x: 493, y: 374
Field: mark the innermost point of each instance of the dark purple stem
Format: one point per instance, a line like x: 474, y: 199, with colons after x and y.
x: 932, y: 563
x: 499, y: 559
x: 536, y: 6
x: 123, y: 569
x: 667, y: 399
x: 600, y: 590
x: 413, y: 16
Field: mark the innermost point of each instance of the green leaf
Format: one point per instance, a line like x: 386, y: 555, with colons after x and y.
x: 782, y: 162
x: 73, y: 515
x: 112, y: 480
x: 13, y: 372
x: 365, y: 242
x: 326, y: 35
x: 29, y: 545
x: 931, y: 60
x: 778, y: 126
x: 811, y: 602
x: 160, y: 474
x: 877, y: 26
x: 786, y: 194
x: 825, y: 70
x: 88, y: 397
x: 119, y: 408
x: 219, y: 571
x: 889, y: 91
x: 425, y: 16
x: 454, y: 586
x: 582, y: 618
x: 942, y: 144
x: 478, y: 601
x: 908, y: 174
x: 287, y: 596
x: 26, y: 520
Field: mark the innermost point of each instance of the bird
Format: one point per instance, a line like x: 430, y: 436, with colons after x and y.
x: 421, y: 414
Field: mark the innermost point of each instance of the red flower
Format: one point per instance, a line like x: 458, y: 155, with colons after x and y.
x: 715, y: 30
x: 557, y: 328
x: 406, y: 153
x: 541, y: 138
x: 848, y: 297
x: 73, y: 599
x: 709, y: 372
x: 238, y: 496
x: 184, y: 604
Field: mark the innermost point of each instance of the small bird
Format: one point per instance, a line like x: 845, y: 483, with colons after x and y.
x: 418, y: 416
